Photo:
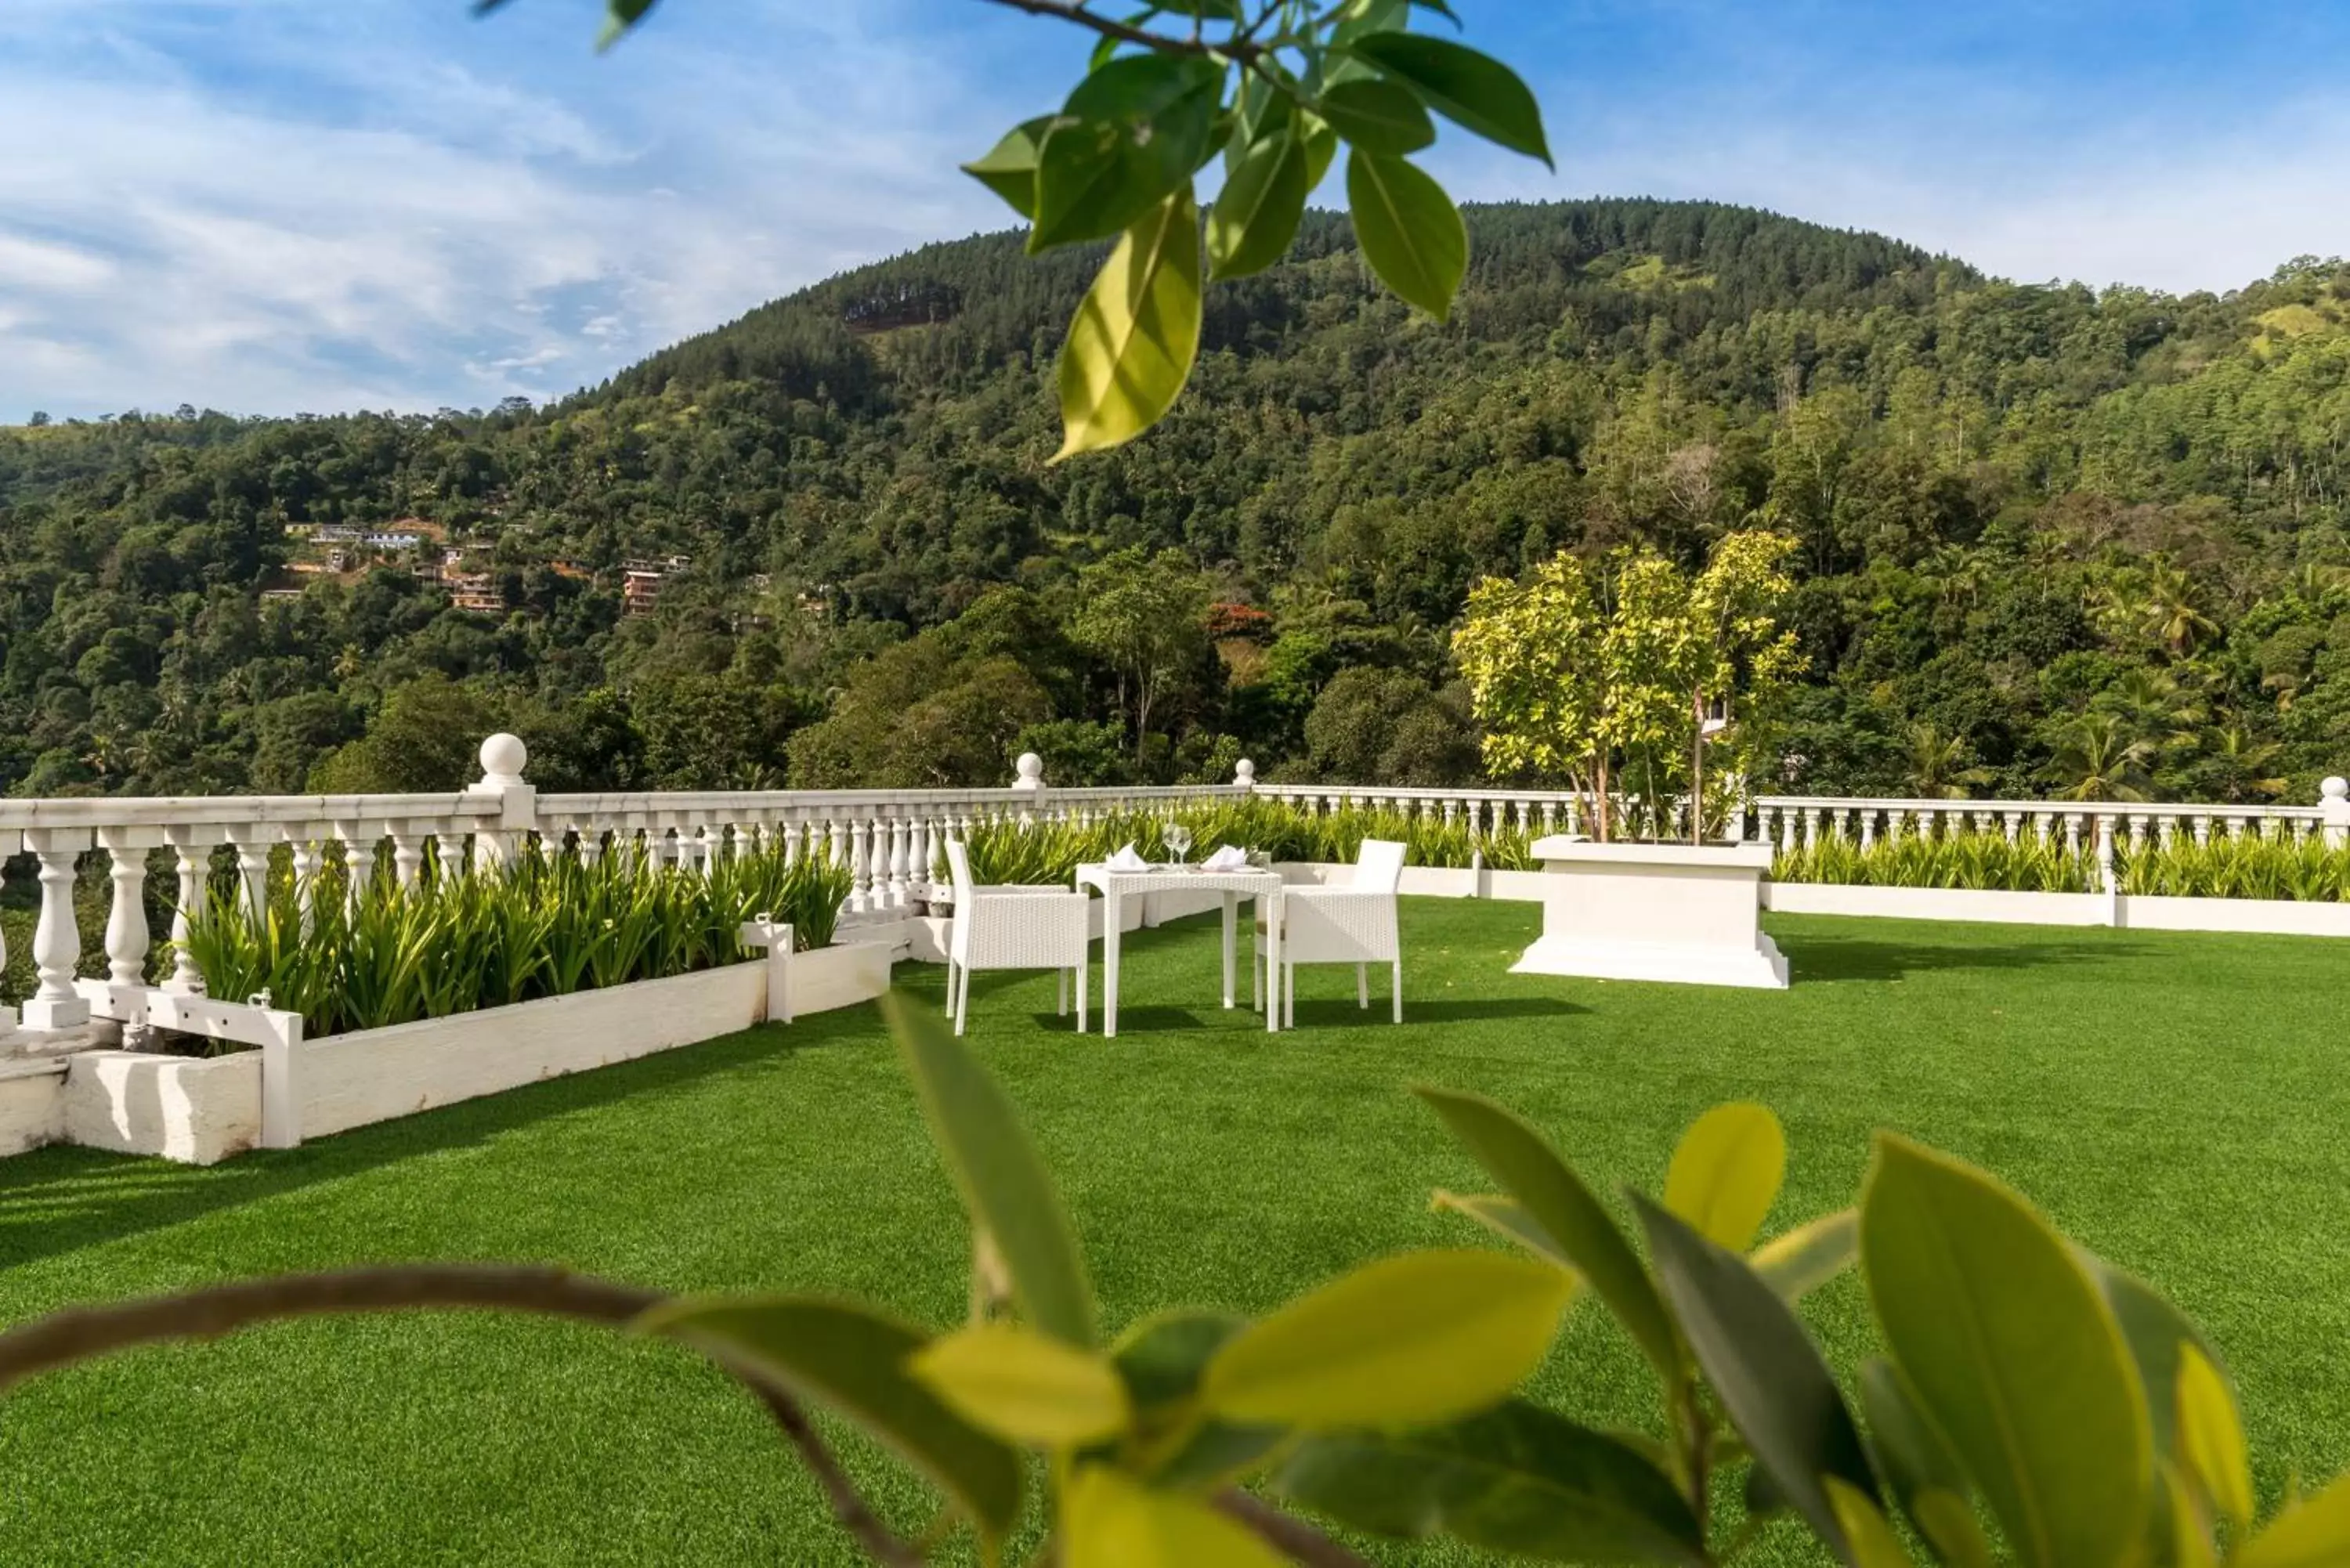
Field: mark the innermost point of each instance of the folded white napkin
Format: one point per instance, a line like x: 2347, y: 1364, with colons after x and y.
x: 1126, y: 860
x: 1231, y: 858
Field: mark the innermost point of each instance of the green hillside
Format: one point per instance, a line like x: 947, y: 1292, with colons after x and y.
x: 2052, y: 539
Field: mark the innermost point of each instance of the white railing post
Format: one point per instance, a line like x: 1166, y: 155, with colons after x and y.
x: 126, y: 937
x: 193, y: 846
x: 56, y: 939
x: 503, y: 757
x: 2333, y: 810
x: 1245, y: 776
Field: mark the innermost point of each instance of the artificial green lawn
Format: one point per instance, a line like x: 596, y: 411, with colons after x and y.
x: 2177, y: 1102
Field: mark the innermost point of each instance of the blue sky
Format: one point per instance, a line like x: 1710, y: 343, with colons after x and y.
x: 273, y: 205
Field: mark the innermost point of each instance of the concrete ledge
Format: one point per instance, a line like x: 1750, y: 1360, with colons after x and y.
x: 31, y: 1105
x: 2144, y: 912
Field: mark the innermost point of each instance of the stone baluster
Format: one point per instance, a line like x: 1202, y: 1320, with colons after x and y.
x: 836, y: 841
x: 56, y: 939
x: 2105, y: 877
x: 2072, y: 833
x: 126, y: 937
x: 918, y: 857
x: 192, y: 847
x: 406, y: 855
x: 252, y: 869
x: 901, y: 861
x: 305, y: 873
x: 1812, y: 824
x: 2202, y: 828
x: 860, y: 867
x: 1867, y: 826
x: 790, y: 841
x: 448, y: 848
x: 359, y: 860
x: 2012, y: 822
x: 1787, y: 831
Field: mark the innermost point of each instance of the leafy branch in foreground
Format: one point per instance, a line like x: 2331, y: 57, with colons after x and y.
x: 2030, y: 1403
x: 1274, y: 87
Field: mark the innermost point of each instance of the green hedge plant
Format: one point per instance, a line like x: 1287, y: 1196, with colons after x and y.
x: 2025, y: 1401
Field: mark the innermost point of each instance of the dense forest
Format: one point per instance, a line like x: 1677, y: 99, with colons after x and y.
x: 2052, y: 540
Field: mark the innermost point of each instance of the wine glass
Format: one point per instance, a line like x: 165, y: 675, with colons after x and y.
x: 1177, y: 839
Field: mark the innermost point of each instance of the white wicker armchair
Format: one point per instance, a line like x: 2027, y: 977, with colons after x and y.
x: 1012, y: 928
x: 1353, y: 924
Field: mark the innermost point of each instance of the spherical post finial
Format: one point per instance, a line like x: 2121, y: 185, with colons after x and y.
x: 503, y: 757
x: 2335, y: 787
x: 1030, y: 769
x: 1244, y: 773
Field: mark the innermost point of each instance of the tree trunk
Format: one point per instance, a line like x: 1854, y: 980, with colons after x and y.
x: 1600, y: 804
x: 1697, y: 767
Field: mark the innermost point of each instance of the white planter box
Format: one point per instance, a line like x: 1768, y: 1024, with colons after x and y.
x: 2263, y: 917
x: 1939, y: 904
x: 2268, y: 917
x: 201, y: 1110
x: 1675, y: 912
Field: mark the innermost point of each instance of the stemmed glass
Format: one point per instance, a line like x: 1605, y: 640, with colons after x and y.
x: 1177, y: 839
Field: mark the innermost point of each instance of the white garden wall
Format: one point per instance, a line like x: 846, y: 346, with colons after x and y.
x: 31, y: 1105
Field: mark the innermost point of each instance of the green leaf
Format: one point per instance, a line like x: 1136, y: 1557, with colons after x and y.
x: 1810, y: 1255
x: 2183, y: 1533
x: 1474, y: 90
x: 1321, y: 146
x: 1530, y: 1170
x: 1130, y: 347
x: 1377, y: 116
x: 1162, y: 1359
x: 620, y: 16
x: 1009, y: 168
x: 1505, y: 1217
x: 1919, y: 1469
x: 1416, y: 1338
x: 1108, y: 1519
x: 2312, y: 1534
x: 2157, y: 1332
x: 1022, y: 1385
x: 1005, y: 1187
x: 1515, y: 1479
x: 1256, y: 214
x: 1866, y: 1529
x: 1127, y: 138
x: 2211, y: 1449
x: 2012, y: 1354
x: 1947, y: 1522
x: 1441, y: 8
x: 1764, y: 1368
x: 1726, y: 1173
x: 1409, y: 230
x: 853, y: 1360
x: 1106, y: 50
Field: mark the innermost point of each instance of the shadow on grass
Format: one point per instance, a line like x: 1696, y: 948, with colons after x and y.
x: 62, y: 1198
x: 1836, y: 961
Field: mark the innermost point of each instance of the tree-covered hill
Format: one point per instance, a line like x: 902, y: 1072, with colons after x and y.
x: 2052, y: 539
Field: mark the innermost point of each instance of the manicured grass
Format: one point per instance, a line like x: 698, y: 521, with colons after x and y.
x: 2177, y: 1102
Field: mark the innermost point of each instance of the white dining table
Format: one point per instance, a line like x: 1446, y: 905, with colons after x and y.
x: 1244, y: 882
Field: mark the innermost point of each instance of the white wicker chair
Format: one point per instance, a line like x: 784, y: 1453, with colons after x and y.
x: 1012, y: 928
x: 1353, y: 924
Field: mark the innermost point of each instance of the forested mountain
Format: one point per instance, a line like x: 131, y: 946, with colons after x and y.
x: 2052, y: 539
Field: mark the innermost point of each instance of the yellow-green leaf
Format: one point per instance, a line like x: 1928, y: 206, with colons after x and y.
x: 1866, y: 1529
x: 1130, y: 347
x: 2212, y: 1437
x: 2183, y: 1527
x: 1422, y: 1337
x: 1009, y: 168
x: 2312, y: 1534
x: 1110, y: 1519
x: 1726, y: 1173
x: 1409, y: 229
x: 1025, y: 1387
x: 1810, y: 1255
x: 2012, y: 1352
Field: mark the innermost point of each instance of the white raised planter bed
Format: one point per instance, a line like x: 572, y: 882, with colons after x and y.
x: 2145, y: 912
x: 1678, y: 912
x: 201, y: 1110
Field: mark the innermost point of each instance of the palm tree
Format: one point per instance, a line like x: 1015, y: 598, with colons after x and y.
x: 2157, y: 703
x: 2240, y: 761
x: 1940, y: 766
x: 2173, y: 608
x: 2099, y: 759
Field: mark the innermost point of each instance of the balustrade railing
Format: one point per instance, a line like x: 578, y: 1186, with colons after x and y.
x: 1792, y: 822
x: 889, y: 840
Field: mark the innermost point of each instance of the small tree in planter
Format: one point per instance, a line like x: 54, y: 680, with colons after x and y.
x: 1603, y: 673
